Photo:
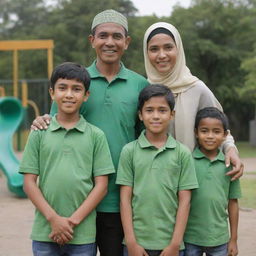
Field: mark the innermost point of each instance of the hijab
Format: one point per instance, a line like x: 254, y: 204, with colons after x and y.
x: 180, y: 78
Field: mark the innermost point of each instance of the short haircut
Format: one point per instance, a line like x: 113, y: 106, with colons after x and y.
x: 70, y: 70
x: 156, y: 90
x: 212, y: 112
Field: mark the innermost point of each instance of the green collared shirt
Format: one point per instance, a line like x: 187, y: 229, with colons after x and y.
x: 113, y: 108
x: 207, y: 224
x: 66, y: 162
x: 156, y: 176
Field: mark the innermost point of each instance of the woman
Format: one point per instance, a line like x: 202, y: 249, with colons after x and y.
x: 165, y: 64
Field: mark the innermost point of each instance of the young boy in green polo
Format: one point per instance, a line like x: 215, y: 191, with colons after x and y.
x: 72, y: 161
x: 156, y: 174
x: 215, y: 200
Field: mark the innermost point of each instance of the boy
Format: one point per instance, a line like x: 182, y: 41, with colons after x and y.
x: 156, y: 174
x: 72, y: 160
x: 207, y: 229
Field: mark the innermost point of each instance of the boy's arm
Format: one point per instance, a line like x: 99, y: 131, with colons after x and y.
x: 180, y: 225
x: 233, y: 211
x: 60, y: 225
x: 93, y: 199
x: 126, y: 215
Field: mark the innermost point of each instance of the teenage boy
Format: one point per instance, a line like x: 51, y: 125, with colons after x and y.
x: 216, y: 198
x: 112, y: 107
x: 72, y: 160
x: 156, y: 174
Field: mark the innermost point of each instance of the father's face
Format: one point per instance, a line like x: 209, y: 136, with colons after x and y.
x: 109, y: 42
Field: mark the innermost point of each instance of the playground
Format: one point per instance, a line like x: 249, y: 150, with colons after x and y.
x: 17, y: 212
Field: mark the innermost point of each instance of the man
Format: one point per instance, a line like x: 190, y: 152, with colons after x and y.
x: 112, y: 106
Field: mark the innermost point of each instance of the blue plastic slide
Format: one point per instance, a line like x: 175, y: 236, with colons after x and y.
x: 11, y: 114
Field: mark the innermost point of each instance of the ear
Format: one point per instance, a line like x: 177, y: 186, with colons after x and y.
x: 225, y: 134
x: 140, y: 115
x: 172, y: 114
x: 51, y: 92
x: 127, y: 42
x: 91, y: 40
x: 196, y: 133
x: 86, y: 96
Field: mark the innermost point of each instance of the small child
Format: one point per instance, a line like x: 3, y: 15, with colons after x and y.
x: 71, y: 159
x: 207, y: 229
x: 156, y: 174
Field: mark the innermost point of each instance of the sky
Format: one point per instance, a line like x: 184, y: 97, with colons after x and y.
x: 158, y: 7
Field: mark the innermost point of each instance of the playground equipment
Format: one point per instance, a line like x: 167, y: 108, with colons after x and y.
x: 11, y: 115
x: 11, y: 110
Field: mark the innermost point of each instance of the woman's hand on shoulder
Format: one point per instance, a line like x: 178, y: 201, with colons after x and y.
x: 232, y: 157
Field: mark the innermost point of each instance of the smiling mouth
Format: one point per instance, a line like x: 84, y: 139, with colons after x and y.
x: 68, y: 102
x: 109, y: 51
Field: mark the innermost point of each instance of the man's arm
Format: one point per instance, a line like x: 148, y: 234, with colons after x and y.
x: 61, y: 226
x: 233, y: 211
x: 134, y: 249
x: 93, y: 199
x: 41, y: 122
x: 180, y: 225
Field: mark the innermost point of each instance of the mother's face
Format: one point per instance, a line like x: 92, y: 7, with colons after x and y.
x: 162, y: 53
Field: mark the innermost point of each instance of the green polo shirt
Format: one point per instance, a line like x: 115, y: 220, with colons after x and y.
x: 208, y: 224
x: 156, y: 175
x: 66, y: 162
x: 113, y: 108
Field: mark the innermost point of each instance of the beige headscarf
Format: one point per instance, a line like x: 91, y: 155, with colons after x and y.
x: 179, y: 79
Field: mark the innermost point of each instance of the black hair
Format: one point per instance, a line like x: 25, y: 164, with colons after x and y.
x: 155, y: 90
x: 94, y: 31
x: 70, y: 70
x: 211, y: 112
x: 160, y: 31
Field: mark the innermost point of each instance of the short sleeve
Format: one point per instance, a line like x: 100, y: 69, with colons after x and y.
x: 235, y: 190
x: 188, y: 179
x: 102, y: 161
x: 31, y: 156
x: 125, y: 173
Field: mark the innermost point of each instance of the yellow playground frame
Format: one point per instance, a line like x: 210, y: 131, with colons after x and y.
x: 17, y: 45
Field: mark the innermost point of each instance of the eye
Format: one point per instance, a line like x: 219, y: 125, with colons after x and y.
x: 169, y: 47
x: 78, y: 89
x: 102, y: 36
x: 61, y: 88
x: 153, y: 49
x: 117, y: 36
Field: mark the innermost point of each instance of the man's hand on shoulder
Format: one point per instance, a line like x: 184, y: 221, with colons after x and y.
x: 41, y: 122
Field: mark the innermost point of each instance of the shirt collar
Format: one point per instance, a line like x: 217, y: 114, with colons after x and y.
x: 197, y: 153
x: 144, y: 143
x: 94, y: 72
x: 80, y: 125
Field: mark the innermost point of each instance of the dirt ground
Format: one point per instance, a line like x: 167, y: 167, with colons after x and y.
x: 16, y: 217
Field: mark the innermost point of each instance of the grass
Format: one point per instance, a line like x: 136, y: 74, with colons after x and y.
x: 245, y: 149
x: 248, y: 186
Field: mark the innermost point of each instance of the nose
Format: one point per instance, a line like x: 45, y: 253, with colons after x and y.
x: 155, y: 115
x: 69, y: 93
x: 210, y: 134
x: 162, y: 53
x: 109, y: 41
